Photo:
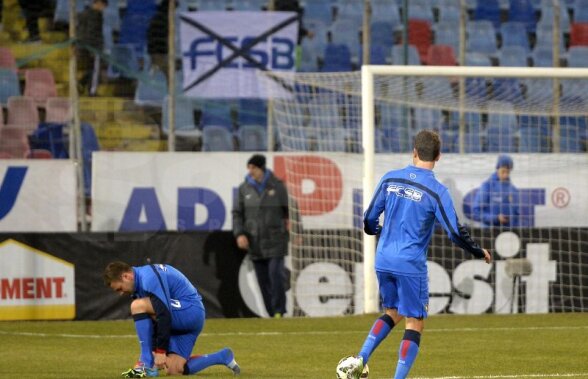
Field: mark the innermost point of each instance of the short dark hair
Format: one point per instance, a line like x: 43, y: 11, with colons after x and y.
x: 114, y: 271
x: 428, y: 145
x: 105, y: 2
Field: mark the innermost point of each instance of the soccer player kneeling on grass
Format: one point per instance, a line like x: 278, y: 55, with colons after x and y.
x: 411, y: 199
x: 169, y: 316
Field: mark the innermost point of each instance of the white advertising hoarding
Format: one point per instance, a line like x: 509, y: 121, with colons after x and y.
x: 37, y: 196
x: 194, y: 191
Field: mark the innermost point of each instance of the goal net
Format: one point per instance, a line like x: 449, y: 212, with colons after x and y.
x: 346, y: 130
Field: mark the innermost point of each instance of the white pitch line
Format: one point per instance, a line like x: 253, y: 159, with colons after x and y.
x: 299, y: 333
x: 569, y: 375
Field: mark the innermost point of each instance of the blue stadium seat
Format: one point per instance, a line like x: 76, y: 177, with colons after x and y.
x: 382, y: 33
x: 488, y: 10
x: 252, y: 111
x: 217, y: 138
x: 477, y: 59
x: 350, y: 10
x: 578, y: 56
x: 135, y: 22
x: 248, y: 5
x: 450, y: 142
x: 252, y: 138
x: 212, y: 5
x: 123, y: 62
x: 574, y: 88
x: 318, y: 10
x: 151, y: 88
x: 474, y: 139
x: 437, y: 88
x: 378, y: 54
x: 547, y: 17
x: 580, y: 11
x: 427, y: 118
x: 9, y: 85
x: 420, y: 11
x: 522, y: 11
x: 500, y: 139
x: 514, y: 34
x: 386, y: 10
x: 184, y: 121
x: 447, y: 33
x: 539, y: 92
x: 569, y: 138
x: 544, y: 38
x: 481, y: 38
x: 513, y: 56
x: 534, y: 134
x: 333, y: 139
x: 450, y: 14
x: 218, y: 113
x: 542, y: 57
x: 392, y: 139
x: 398, y: 55
x: 345, y: 32
x: 337, y: 58
x: 502, y: 126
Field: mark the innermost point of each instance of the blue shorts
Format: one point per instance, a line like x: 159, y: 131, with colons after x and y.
x: 408, y: 294
x: 186, y: 326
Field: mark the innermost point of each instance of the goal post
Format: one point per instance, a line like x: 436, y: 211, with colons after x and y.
x: 344, y: 130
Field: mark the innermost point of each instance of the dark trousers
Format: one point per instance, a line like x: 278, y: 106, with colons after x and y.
x: 32, y: 10
x: 271, y: 276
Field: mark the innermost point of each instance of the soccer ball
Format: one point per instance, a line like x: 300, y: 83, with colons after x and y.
x: 344, y: 366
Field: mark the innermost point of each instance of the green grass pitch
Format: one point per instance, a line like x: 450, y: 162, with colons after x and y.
x: 487, y: 346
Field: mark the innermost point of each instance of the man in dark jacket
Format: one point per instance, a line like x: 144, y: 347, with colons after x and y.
x: 260, y: 225
x: 497, y: 201
x: 89, y: 33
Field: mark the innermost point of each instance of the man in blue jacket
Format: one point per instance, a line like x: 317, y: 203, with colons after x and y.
x: 497, y: 201
x: 412, y: 200
x: 169, y: 315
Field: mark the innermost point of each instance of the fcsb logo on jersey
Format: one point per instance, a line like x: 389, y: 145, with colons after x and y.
x: 406, y: 192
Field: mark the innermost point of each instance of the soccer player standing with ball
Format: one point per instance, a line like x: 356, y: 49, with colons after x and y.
x: 412, y: 200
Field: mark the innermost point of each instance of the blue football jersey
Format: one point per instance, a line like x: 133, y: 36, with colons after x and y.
x: 167, y: 284
x: 411, y: 200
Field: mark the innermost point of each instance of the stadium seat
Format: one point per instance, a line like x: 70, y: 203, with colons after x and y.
x: 440, y: 55
x: 252, y: 138
x: 481, y: 38
x: 337, y: 58
x: 382, y: 33
x: 385, y: 10
x: 418, y: 10
x: 534, y: 134
x: 39, y: 85
x: 151, y: 88
x: 123, y: 62
x: 514, y: 34
x: 578, y: 56
x: 398, y: 55
x: 579, y: 34
x: 450, y: 141
x: 333, y: 139
x: 218, y: 112
x: 135, y: 22
x: 547, y: 17
x: 569, y: 138
x: 539, y: 92
x: 346, y: 32
x: 185, y: 124
x: 14, y: 141
x: 488, y: 10
x: 477, y: 59
x: 350, y: 10
x: 248, y: 5
x: 378, y: 54
x: 522, y: 11
x: 473, y: 139
x: 61, y: 13
x: 9, y: 85
x: 252, y: 112
x: 7, y: 60
x: 437, y: 88
x: 502, y: 126
x: 58, y: 110
x: 427, y: 118
x: 216, y: 138
x: 22, y: 111
x: 450, y: 13
x: 212, y: 5
x: 542, y: 57
x: 574, y: 88
x: 419, y: 35
x: 312, y: 50
x: 513, y: 56
x: 580, y: 11
x: 447, y: 33
x: 544, y: 38
x: 318, y: 10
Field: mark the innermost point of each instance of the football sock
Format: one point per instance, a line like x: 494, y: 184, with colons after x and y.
x: 200, y: 362
x: 144, y: 328
x: 379, y: 331
x: 409, y: 348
